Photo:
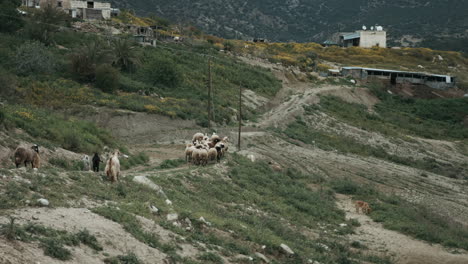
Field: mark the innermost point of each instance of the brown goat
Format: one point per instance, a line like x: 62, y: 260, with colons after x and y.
x: 26, y: 156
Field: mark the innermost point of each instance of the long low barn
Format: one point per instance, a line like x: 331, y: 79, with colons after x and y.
x: 435, y: 81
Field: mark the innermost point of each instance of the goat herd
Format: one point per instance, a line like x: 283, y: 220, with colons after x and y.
x: 201, y: 151
x: 204, y: 149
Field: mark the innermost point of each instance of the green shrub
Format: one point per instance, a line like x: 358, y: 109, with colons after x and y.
x: 210, y: 257
x: 162, y: 71
x: 128, y: 84
x: 34, y: 58
x: 130, y: 258
x: 55, y: 249
x: 85, y: 59
x: 107, y: 78
x: 86, y: 238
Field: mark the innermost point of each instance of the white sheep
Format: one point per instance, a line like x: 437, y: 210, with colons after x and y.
x: 86, y: 162
x: 197, y: 137
x: 196, y: 154
x: 112, y: 169
x: 212, y: 154
x: 203, y: 156
x: 188, y: 152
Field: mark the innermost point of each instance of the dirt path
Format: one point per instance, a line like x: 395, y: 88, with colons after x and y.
x: 292, y: 107
x: 405, y: 249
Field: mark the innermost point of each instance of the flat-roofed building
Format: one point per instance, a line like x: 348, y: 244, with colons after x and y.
x: 435, y: 81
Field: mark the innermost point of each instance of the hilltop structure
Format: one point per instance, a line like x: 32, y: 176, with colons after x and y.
x: 376, y: 37
x: 76, y: 8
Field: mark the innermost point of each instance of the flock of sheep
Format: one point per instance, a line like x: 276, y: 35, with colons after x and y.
x: 204, y: 149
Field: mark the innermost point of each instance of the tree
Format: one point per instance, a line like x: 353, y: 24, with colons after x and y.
x: 162, y: 71
x: 10, y: 18
x: 126, y: 57
x: 45, y: 22
x: 107, y: 78
x: 86, y: 59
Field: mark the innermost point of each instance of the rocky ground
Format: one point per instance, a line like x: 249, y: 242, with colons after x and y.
x: 163, y: 139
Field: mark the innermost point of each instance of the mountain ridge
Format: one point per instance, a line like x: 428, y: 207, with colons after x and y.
x: 409, y: 22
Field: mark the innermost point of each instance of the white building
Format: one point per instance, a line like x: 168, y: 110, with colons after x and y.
x: 365, y: 38
x: 76, y: 8
x: 31, y: 3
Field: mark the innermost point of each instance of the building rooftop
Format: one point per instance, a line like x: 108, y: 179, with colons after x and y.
x: 394, y: 71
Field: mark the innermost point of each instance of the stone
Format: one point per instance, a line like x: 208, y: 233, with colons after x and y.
x: 43, y: 202
x: 286, y: 249
x: 172, y: 217
x: 343, y: 225
x: 168, y: 202
x: 262, y: 257
x: 35, y: 217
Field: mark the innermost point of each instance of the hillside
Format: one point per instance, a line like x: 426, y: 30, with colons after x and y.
x: 433, y: 24
x: 311, y: 146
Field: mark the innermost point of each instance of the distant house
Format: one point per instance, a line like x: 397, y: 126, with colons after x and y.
x: 76, y: 8
x: 143, y: 35
x: 392, y: 77
x: 376, y: 37
x: 31, y: 3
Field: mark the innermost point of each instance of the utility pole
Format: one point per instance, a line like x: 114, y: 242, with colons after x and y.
x: 240, y: 118
x: 209, y: 94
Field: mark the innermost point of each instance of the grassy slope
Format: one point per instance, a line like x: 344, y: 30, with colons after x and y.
x: 305, y: 55
x: 249, y: 206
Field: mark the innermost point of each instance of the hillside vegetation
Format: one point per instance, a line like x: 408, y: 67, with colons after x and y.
x: 435, y: 24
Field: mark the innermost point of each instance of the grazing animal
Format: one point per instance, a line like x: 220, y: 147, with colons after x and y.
x: 197, y: 137
x: 26, y: 156
x: 112, y: 169
x: 212, y: 154
x: 86, y: 163
x: 215, y: 138
x: 203, y: 156
x: 275, y: 166
x: 365, y: 208
x: 96, y: 162
x: 219, y: 149
x: 196, y: 153
x: 188, y: 152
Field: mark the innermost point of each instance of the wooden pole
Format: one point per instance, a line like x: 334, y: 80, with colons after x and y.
x: 240, y: 118
x: 209, y: 93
